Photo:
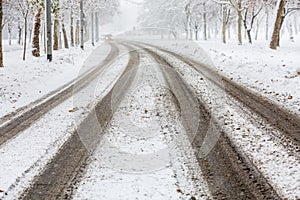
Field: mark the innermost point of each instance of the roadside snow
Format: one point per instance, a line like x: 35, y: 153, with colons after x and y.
x: 24, y: 157
x: 23, y: 82
x: 273, y: 74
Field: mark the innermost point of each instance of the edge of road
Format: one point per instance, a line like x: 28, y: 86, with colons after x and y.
x: 17, y: 121
x: 273, y: 113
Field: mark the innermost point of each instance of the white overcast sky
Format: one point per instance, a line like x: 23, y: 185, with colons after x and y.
x: 126, y: 20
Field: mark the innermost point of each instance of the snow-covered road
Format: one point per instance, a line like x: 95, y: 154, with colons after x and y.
x: 38, y: 144
x: 257, y: 139
x: 145, y: 152
x: 156, y: 125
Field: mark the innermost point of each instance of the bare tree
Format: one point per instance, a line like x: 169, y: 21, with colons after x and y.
x: 196, y: 28
x: 284, y: 9
x: 239, y: 9
x: 225, y: 17
x: 8, y: 17
x: 238, y: 6
x: 25, y: 7
x: 254, y: 9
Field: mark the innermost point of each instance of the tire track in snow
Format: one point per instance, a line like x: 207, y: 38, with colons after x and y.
x: 67, y: 166
x: 140, y: 154
x: 268, y: 144
x: 14, y: 123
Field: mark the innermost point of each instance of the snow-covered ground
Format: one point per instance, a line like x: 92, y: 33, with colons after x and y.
x: 22, y: 82
x: 274, y: 74
x: 39, y: 143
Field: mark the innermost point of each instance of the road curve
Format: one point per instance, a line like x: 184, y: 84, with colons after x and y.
x: 65, y: 169
x: 229, y: 173
x: 12, y: 124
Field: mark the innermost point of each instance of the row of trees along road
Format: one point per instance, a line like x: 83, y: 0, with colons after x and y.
x: 245, y: 17
x: 25, y: 20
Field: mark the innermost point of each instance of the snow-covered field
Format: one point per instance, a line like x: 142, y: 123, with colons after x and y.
x: 22, y: 82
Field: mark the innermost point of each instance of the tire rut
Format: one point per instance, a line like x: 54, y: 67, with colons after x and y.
x: 229, y: 173
x: 273, y: 114
x: 14, y: 124
x: 61, y: 174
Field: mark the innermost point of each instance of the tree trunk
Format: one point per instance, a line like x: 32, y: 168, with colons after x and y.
x: 86, y: 31
x: 48, y: 25
x: 224, y: 23
x: 290, y: 30
x: 65, y: 35
x: 9, y: 33
x: 55, y: 34
x: 186, y: 34
x: 59, y: 38
x: 279, y: 34
x: 82, y: 24
x: 36, y: 35
x: 25, y: 38
x: 174, y: 34
x: 187, y: 28
x: 249, y: 36
x: 1, y: 53
x: 190, y: 28
x: 275, y: 36
x: 240, y: 22
x: 45, y: 37
x: 267, y: 24
x: 257, y: 30
x: 72, y: 29
x: 97, y: 26
x: 204, y: 22
x: 77, y: 33
x: 19, y: 33
x: 92, y: 29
